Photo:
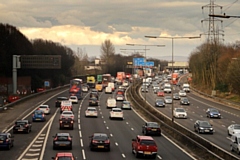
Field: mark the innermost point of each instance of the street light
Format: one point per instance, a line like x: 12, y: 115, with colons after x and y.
x: 171, y: 37
x: 145, y: 63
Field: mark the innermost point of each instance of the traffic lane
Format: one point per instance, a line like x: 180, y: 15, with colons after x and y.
x: 220, y: 137
x: 22, y: 140
x: 130, y: 127
x: 49, y: 152
x: 91, y: 125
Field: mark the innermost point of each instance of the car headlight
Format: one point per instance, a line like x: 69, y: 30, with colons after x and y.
x: 211, y: 128
x: 201, y: 128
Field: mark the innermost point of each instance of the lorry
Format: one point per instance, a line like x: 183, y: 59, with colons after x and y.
x: 186, y: 87
x: 120, y: 76
x: 175, y: 77
x: 91, y: 81
x: 99, y: 79
x: 99, y: 87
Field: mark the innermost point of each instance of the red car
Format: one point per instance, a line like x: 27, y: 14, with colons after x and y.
x: 160, y: 93
x: 64, y: 155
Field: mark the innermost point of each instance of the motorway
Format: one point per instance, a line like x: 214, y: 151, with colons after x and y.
x: 38, y: 144
x: 197, y: 111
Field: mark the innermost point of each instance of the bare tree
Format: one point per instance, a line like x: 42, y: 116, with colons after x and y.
x: 107, y: 54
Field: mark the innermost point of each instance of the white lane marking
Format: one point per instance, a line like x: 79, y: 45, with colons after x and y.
x: 34, y: 150
x: 159, y: 157
x: 123, y: 156
x: 102, y: 117
x: 78, y: 120
x: 80, y: 134
x: 116, y: 143
x: 38, y: 141
x: 79, y: 116
x: 41, y: 137
x: 79, y: 126
x: 126, y: 122
x: 31, y: 144
x: 47, y: 134
x: 104, y: 121
x: 107, y: 128
x: 111, y: 134
x: 100, y: 112
x: 224, y: 126
x: 30, y: 159
x: 81, y: 142
x: 37, y: 145
x: 228, y: 138
x: 83, y: 154
x: 33, y: 154
x: 233, y: 122
x: 132, y: 129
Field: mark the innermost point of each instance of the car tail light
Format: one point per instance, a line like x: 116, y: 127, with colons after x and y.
x: 43, y: 115
x: 33, y: 115
x: 55, y: 138
x: 107, y: 141
x: 94, y: 141
x: 60, y: 121
x: 72, y: 117
x: 26, y: 125
x: 69, y: 138
x: 139, y: 147
x: 46, y: 108
x: 71, y: 121
x: 7, y: 140
x: 148, y: 128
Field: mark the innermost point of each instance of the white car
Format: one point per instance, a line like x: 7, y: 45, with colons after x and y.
x: 111, y: 102
x: 119, y: 97
x: 91, y: 112
x: 108, y: 90
x: 168, y: 100
x: 233, y: 129
x: 45, y: 108
x: 182, y: 93
x: 116, y: 113
x: 179, y: 113
x: 167, y: 90
x: 73, y: 99
x: 84, y: 88
x: 67, y: 114
x: 125, y: 83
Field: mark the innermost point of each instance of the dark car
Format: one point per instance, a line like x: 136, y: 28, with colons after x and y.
x: 176, y: 96
x: 126, y: 105
x: 38, y: 115
x: 151, y: 128
x: 66, y: 123
x: 62, y: 140
x: 203, y: 127
x: 93, y: 94
x: 6, y: 140
x: 159, y: 103
x: 93, y: 101
x: 59, y: 100
x: 22, y: 126
x: 184, y: 101
x: 99, y: 141
x: 213, y: 113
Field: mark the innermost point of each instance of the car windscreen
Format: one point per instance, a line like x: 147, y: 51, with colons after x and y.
x: 38, y: 112
x: 67, y: 113
x: 101, y: 138
x: 117, y: 110
x: 20, y: 123
x: 153, y: 125
x: 3, y: 137
x: 147, y: 142
x: 237, y: 127
x: 64, y: 158
x: 91, y: 109
x: 180, y: 110
x: 205, y: 124
x: 62, y: 138
x: 43, y: 107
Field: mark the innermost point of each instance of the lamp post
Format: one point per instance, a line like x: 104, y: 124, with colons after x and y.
x: 172, y: 38
x: 145, y: 98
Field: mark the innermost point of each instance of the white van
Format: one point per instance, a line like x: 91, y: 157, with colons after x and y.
x: 108, y: 89
x: 111, y: 84
x: 186, y: 87
x: 235, y: 143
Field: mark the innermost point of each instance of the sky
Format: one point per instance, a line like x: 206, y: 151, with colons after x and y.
x: 86, y: 24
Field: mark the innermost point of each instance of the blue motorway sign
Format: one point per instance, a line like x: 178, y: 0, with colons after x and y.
x: 138, y: 61
x: 149, y: 64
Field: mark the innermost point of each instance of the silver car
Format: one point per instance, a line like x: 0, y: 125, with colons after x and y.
x: 168, y: 99
x: 45, y: 108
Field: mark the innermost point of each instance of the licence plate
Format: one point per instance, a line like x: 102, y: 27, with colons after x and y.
x: 1, y: 141
x: 20, y: 129
x: 66, y: 125
x: 100, y: 146
x: 37, y: 119
x: 215, y: 115
x: 206, y: 130
x: 62, y: 144
x: 147, y: 152
x: 154, y: 129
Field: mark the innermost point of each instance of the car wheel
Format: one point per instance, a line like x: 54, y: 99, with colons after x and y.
x: 154, y: 156
x: 136, y: 155
x: 70, y: 147
x: 54, y: 147
x: 28, y: 131
x: 9, y: 147
x: 132, y: 150
x: 198, y: 130
x: 109, y: 149
x: 231, y: 148
x: 238, y: 151
x: 229, y: 133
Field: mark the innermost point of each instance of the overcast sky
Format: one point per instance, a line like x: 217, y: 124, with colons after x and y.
x: 86, y: 24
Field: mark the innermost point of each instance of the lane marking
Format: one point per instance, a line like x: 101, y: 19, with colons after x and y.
x: 34, y: 150
x: 81, y: 142
x: 123, y: 155
x: 80, y: 134
x: 83, y: 153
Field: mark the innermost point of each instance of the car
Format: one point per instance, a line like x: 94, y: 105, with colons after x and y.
x: 235, y: 143
x: 233, y: 129
x: 182, y: 93
x: 62, y: 140
x: 91, y: 112
x: 108, y: 90
x: 176, y: 96
x: 203, y: 127
x: 93, y: 101
x: 151, y: 128
x: 159, y: 102
x: 144, y: 89
x: 213, y: 113
x: 85, y: 89
x: 179, y: 113
x: 67, y: 114
x: 111, y: 102
x: 116, y: 113
x: 64, y: 156
x: 66, y: 106
x: 167, y: 89
x: 156, y: 87
x: 144, y: 146
x: 6, y: 140
x: 38, y: 115
x: 66, y: 123
x: 160, y: 93
x: 73, y: 99
x: 184, y: 101
x: 123, y: 88
x: 125, y: 83
x: 59, y: 100
x: 99, y: 141
x: 126, y: 105
x: 120, y: 91
x: 45, y: 108
x: 119, y: 97
x: 168, y: 99
x: 155, y: 91
x: 22, y: 126
x: 94, y: 91
x: 93, y: 94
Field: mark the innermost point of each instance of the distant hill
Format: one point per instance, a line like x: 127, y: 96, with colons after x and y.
x: 175, y: 58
